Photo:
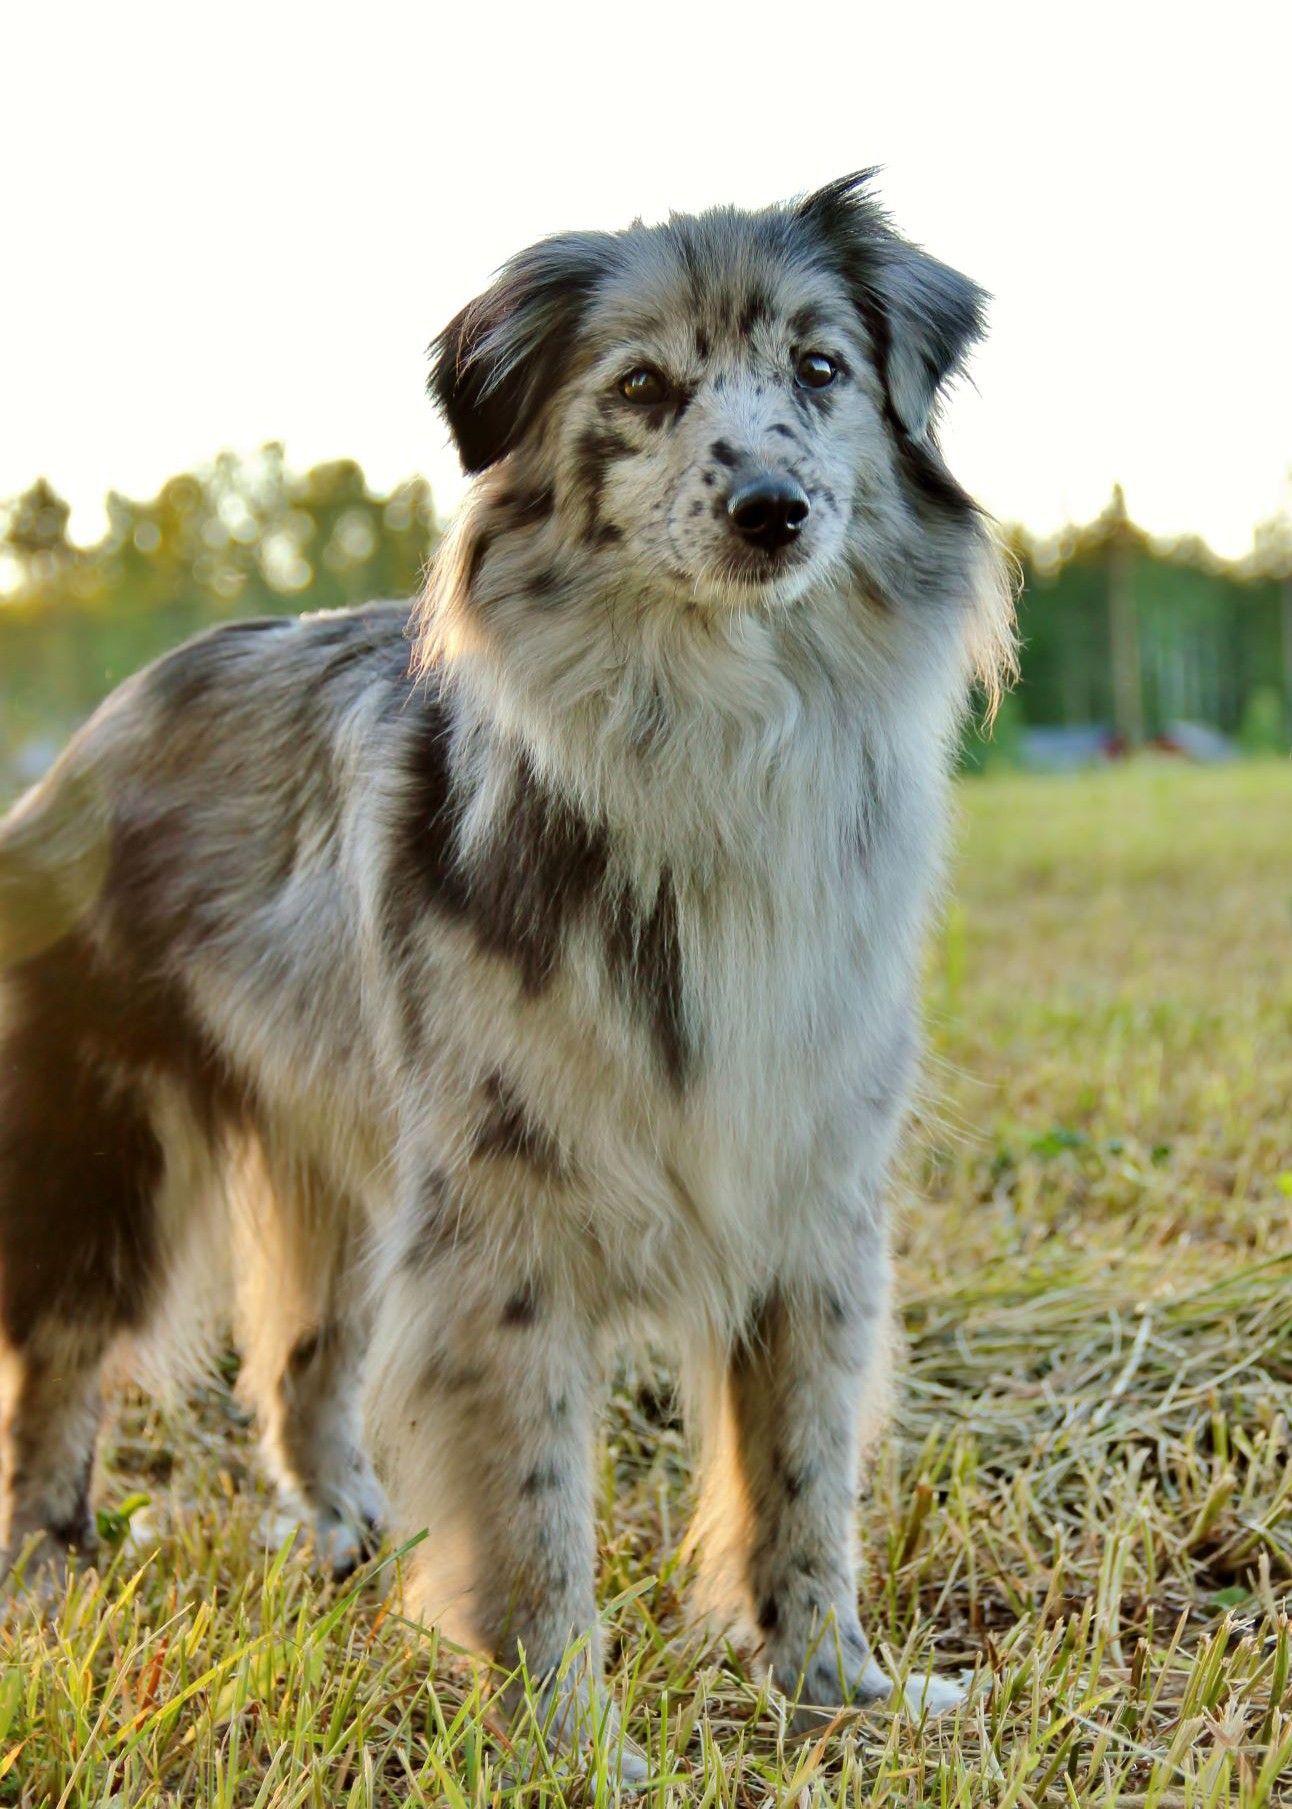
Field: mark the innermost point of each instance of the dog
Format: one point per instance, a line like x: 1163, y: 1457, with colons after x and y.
x: 534, y: 967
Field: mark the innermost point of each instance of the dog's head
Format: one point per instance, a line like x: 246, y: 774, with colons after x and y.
x: 710, y: 402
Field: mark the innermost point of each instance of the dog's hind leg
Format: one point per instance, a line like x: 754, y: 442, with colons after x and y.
x: 302, y: 1328
x: 81, y: 1167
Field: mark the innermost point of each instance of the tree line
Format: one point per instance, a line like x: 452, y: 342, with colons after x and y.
x: 247, y: 537
x: 1116, y: 629
x: 1138, y: 635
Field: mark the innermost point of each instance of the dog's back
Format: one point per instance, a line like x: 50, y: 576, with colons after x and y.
x: 235, y: 736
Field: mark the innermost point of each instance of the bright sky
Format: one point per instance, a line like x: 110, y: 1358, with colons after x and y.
x: 229, y: 223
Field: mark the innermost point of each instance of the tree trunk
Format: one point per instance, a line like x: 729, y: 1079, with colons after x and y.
x: 1285, y: 589
x: 1123, y: 626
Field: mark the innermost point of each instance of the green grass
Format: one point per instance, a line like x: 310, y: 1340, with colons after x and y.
x: 1086, y: 1490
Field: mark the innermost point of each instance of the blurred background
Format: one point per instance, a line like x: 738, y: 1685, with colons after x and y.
x: 231, y: 235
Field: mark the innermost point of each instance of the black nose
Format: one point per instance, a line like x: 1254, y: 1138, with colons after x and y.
x: 769, y: 510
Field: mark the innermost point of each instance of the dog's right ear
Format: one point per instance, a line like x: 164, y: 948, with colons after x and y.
x: 499, y: 360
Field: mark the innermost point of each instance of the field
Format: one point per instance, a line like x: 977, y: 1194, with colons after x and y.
x: 1086, y: 1491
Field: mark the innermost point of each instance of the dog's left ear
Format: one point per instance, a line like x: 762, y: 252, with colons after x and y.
x: 923, y: 315
x: 499, y: 360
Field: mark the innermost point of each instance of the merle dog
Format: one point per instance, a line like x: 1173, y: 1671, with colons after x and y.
x: 546, y: 954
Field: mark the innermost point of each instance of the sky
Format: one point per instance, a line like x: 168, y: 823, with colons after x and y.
x: 228, y: 224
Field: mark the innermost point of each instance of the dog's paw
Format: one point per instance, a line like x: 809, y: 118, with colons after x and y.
x: 581, y: 1736
x: 38, y: 1569
x: 341, y: 1515
x: 824, y: 1691
x: 337, y: 1537
x: 344, y: 1541
x: 932, y: 1695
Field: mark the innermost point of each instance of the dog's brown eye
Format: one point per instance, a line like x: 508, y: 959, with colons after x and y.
x: 644, y: 386
x: 815, y: 371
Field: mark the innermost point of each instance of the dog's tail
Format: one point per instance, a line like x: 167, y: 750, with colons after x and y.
x: 54, y: 850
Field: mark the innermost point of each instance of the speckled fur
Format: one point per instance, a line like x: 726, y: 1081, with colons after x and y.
x: 548, y: 959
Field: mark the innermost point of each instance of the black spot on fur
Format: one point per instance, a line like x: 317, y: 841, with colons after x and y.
x: 80, y: 1162
x: 810, y: 402
x: 517, y: 906
x: 542, y: 869
x: 545, y: 867
x: 514, y: 512
x: 521, y: 1308
x: 526, y: 508
x: 441, y: 1374
x: 701, y: 343
x: 805, y: 324
x: 786, y: 432
x: 756, y: 310
x: 344, y: 641
x: 545, y: 586
x: 426, y: 872
x: 476, y: 556
x: 646, y: 955
x: 795, y: 1480
x: 439, y: 1228
x: 186, y: 676
x: 724, y: 453
x: 769, y: 1614
x: 157, y: 900
x: 541, y: 1480
x: 508, y: 1130
x: 595, y: 448
x: 304, y: 1352
x: 187, y: 682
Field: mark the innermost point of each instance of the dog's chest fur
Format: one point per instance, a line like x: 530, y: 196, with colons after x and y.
x: 684, y: 953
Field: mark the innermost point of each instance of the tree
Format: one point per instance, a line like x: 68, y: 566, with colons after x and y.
x: 36, y: 534
x: 1272, y: 558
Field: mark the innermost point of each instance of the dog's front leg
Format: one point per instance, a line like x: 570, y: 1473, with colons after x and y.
x: 482, y: 1403
x: 797, y: 1385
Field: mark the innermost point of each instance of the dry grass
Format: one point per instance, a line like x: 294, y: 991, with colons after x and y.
x: 1087, y: 1490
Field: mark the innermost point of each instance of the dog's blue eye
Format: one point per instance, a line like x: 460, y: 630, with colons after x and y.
x: 644, y: 386
x: 815, y: 371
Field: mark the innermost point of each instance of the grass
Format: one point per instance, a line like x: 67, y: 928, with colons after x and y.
x: 1086, y: 1491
